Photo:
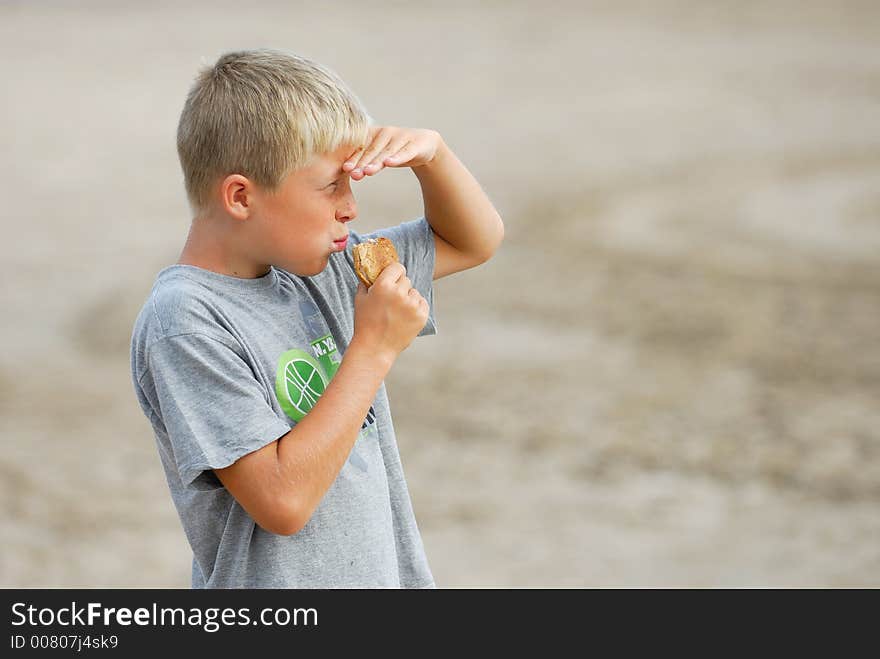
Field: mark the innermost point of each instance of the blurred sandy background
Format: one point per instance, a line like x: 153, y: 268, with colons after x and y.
x: 670, y: 374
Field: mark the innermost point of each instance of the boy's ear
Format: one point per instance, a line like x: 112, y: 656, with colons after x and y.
x: 236, y: 195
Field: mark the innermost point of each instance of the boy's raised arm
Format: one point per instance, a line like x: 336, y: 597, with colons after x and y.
x: 467, y: 227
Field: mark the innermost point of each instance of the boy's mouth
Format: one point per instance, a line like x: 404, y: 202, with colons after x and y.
x: 339, y: 245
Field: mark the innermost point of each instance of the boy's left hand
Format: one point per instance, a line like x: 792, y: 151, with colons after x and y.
x: 391, y: 146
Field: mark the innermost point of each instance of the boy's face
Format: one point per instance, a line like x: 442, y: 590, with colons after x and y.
x: 303, y: 222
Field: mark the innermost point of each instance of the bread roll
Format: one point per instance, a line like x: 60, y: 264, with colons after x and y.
x: 372, y: 257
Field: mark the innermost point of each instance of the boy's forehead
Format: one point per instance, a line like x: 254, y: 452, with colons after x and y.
x: 330, y: 164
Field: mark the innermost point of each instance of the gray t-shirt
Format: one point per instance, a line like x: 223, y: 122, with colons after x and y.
x: 223, y: 366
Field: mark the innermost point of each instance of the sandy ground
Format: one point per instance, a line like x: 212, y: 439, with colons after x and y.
x: 669, y: 375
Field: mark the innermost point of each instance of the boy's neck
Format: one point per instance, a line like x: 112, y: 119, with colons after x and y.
x: 208, y: 247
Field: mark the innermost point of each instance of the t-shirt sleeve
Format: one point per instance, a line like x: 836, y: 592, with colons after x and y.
x: 213, y: 408
x: 414, y: 242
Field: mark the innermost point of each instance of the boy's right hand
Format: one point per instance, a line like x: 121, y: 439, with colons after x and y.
x: 390, y: 314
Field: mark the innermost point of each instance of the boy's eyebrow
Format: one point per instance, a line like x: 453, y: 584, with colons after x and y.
x: 325, y: 177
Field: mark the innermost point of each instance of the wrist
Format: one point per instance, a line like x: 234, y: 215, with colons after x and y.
x: 377, y: 359
x: 441, y: 153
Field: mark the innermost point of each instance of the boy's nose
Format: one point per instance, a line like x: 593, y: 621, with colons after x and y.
x: 347, y: 213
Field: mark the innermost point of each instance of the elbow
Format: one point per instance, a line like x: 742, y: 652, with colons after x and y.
x: 495, y: 238
x: 499, y: 234
x: 287, y: 527
x: 288, y: 531
x: 284, y: 519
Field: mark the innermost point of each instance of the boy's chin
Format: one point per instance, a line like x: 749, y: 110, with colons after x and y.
x: 306, y: 270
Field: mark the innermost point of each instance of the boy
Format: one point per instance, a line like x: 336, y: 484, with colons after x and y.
x: 259, y: 357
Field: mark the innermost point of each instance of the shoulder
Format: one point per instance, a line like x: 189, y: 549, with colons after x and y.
x: 411, y: 233
x: 176, y: 306
x: 179, y: 305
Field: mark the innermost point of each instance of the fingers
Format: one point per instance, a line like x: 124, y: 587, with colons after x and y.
x: 420, y: 303
x: 394, y: 278
x: 379, y: 142
x: 384, y: 149
x: 391, y: 274
x: 353, y: 159
x: 404, y: 154
x: 414, y: 298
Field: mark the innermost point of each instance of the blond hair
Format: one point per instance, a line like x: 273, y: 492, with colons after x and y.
x: 263, y: 114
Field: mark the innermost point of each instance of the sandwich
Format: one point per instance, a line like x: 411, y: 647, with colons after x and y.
x: 371, y: 257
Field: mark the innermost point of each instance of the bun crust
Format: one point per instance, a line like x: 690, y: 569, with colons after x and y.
x: 372, y: 257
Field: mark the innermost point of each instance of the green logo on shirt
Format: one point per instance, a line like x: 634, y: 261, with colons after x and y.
x: 327, y: 354
x: 299, y: 383
x: 300, y: 380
